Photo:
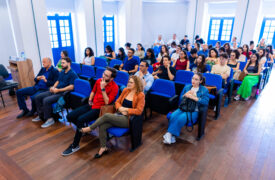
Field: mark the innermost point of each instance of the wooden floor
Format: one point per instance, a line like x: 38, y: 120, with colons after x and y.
x: 239, y: 145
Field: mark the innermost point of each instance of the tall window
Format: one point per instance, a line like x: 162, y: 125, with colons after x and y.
x: 267, y: 30
x: 109, y: 31
x: 220, y: 29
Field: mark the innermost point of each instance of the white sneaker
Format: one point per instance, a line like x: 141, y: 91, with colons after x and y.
x: 167, y: 138
x: 173, y: 139
x: 37, y: 119
x: 237, y: 98
x: 246, y: 99
x: 48, y: 123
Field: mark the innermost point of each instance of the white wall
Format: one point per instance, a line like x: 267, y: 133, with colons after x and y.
x: 60, y: 5
x: 165, y: 19
x: 7, y: 43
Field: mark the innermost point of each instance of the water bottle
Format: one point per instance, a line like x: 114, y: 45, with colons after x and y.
x: 23, y: 55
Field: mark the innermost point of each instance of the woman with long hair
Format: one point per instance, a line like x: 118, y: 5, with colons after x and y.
x: 227, y: 48
x: 89, y: 58
x: 246, y: 51
x: 130, y: 102
x: 199, y: 65
x: 252, y: 71
x: 150, y: 56
x: 121, y: 54
x: 213, y: 57
x: 182, y: 63
x: 196, y: 92
x: 242, y: 57
x: 140, y: 51
x: 109, y: 53
x: 63, y: 54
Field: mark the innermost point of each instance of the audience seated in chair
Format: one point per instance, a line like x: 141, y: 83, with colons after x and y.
x: 193, y: 56
x: 145, y: 76
x: 182, y: 63
x: 159, y: 41
x: 174, y: 39
x: 44, y: 101
x: 176, y: 55
x: 103, y: 93
x: 150, y: 56
x: 121, y: 54
x: 234, y: 64
x: 89, y: 57
x: 63, y: 54
x: 222, y: 68
x: 204, y: 50
x: 199, y: 65
x: 130, y: 64
x: 109, y: 53
x: 184, y: 41
x: 252, y: 71
x: 242, y: 57
x: 46, y: 78
x: 140, y: 51
x: 130, y: 102
x: 213, y: 57
x: 165, y: 71
x: 196, y: 92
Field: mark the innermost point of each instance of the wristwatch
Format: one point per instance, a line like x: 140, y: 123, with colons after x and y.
x: 103, y: 89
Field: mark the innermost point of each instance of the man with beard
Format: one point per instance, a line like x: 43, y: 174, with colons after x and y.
x: 45, y: 100
x: 103, y: 93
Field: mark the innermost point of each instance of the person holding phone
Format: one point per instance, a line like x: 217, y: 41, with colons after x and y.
x: 103, y: 93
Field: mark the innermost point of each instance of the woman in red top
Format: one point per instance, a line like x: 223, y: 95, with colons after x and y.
x: 246, y: 51
x: 182, y: 63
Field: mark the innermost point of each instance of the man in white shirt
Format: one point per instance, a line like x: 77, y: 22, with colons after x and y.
x: 159, y: 41
x: 145, y: 76
x: 174, y: 39
x: 175, y: 56
x: 222, y: 68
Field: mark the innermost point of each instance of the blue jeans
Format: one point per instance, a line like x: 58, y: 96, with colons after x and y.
x: 178, y: 120
x: 28, y: 91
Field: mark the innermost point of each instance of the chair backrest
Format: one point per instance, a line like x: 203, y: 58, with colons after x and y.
x: 242, y: 65
x: 164, y: 87
x: 137, y: 58
x: 114, y: 62
x: 184, y: 76
x: 100, y: 62
x: 213, y: 80
x: 76, y: 67
x: 156, y: 50
x: 83, y: 87
x: 230, y: 76
x: 88, y: 70
x: 99, y: 72
x: 121, y: 78
x: 150, y: 69
x: 208, y: 67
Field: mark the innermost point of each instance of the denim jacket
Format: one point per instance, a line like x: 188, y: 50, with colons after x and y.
x: 202, y: 94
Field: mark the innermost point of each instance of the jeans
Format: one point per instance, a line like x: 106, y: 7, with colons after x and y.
x: 178, y: 120
x: 28, y: 91
x: 79, y: 117
x: 44, y: 103
x: 105, y: 122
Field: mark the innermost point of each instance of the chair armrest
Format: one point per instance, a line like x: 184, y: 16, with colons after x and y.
x: 173, y: 102
x: 201, y: 122
x: 136, y: 130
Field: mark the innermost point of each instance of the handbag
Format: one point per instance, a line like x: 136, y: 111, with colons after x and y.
x: 188, y: 105
x: 242, y: 76
x: 107, y: 109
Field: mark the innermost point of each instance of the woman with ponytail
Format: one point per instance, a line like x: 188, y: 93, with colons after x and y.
x: 196, y: 92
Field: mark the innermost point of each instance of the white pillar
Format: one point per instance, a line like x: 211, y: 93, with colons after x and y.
x: 31, y: 30
x: 191, y: 20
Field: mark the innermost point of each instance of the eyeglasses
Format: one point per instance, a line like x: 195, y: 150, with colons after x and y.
x: 141, y: 66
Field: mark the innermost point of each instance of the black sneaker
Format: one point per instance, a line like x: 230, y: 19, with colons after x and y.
x: 22, y: 114
x: 29, y: 114
x: 70, y: 150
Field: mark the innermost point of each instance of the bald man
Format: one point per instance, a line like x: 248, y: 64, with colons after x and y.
x: 46, y: 78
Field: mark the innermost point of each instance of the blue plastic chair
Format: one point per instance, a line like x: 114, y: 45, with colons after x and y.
x: 82, y: 89
x: 182, y: 78
x: 99, y: 73
x: 114, y: 62
x: 242, y: 65
x: 215, y: 80
x: 122, y: 78
x: 100, y: 62
x: 87, y: 72
x: 76, y: 67
x: 208, y: 67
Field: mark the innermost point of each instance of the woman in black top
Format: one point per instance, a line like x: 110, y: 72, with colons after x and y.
x: 165, y: 71
x: 121, y: 54
x: 150, y: 56
x: 233, y: 61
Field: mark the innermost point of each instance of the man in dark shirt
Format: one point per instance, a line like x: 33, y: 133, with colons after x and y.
x: 45, y: 100
x: 193, y: 56
x: 184, y: 41
x: 46, y: 77
x: 204, y: 50
x: 199, y: 40
x: 103, y: 93
x: 130, y: 64
x: 165, y: 71
x: 251, y: 47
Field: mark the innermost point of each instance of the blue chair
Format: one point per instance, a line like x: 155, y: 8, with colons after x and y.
x: 242, y: 65
x: 182, y: 78
x: 87, y: 72
x: 229, y: 88
x: 121, y: 78
x: 150, y: 69
x: 76, y: 67
x: 216, y: 81
x: 82, y: 89
x: 100, y: 62
x: 159, y: 97
x: 208, y: 67
x: 114, y: 62
x: 99, y: 73
x: 200, y: 121
x: 156, y: 50
x: 137, y: 58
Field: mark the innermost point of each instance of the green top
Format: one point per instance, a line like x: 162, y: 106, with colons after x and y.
x: 59, y: 64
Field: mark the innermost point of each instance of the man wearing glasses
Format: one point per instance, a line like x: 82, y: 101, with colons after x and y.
x: 145, y: 76
x: 130, y: 64
x: 103, y: 93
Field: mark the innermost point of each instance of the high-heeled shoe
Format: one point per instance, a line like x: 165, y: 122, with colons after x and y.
x: 100, y: 155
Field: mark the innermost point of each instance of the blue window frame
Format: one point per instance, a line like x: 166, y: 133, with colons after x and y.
x: 220, y: 29
x: 61, y: 35
x: 268, y: 30
x: 109, y: 31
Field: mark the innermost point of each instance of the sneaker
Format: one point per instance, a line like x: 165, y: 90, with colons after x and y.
x: 167, y: 138
x: 70, y: 150
x: 246, y: 99
x: 30, y: 114
x: 48, y: 123
x: 237, y: 98
x: 173, y: 139
x: 22, y: 114
x: 36, y: 119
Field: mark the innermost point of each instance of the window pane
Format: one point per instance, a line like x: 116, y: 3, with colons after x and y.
x: 62, y: 37
x: 266, y: 29
x: 51, y: 44
x: 265, y: 35
x: 230, y: 22
x: 223, y: 38
x: 216, y: 33
x: 49, y: 23
x: 272, y: 29
x: 227, y: 38
x: 273, y: 23
x: 54, y: 31
x: 66, y: 23
x: 228, y: 33
x: 211, y: 37
x: 51, y: 38
x: 62, y: 30
x: 67, y: 30
x: 50, y: 30
x: 55, y: 44
x: 53, y: 23
x: 267, y: 23
x: 216, y: 37
x: 55, y: 37
x: 63, y: 43
x: 68, y: 43
x: 68, y: 36
x: 61, y: 23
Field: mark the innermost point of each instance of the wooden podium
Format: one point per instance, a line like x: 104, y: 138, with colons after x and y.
x: 22, y: 72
